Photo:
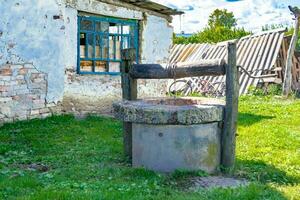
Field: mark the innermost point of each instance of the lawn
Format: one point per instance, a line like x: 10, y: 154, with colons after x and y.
x: 65, y: 158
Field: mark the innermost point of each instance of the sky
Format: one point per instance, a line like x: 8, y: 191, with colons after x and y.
x: 251, y: 14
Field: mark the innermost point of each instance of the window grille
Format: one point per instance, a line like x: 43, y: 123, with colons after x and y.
x: 100, y: 41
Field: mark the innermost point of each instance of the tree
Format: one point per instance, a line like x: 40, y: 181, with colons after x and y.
x: 222, y: 18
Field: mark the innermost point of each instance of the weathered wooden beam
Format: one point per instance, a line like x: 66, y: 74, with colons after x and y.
x: 178, y: 70
x: 129, y: 92
x: 231, y: 109
x: 287, y: 84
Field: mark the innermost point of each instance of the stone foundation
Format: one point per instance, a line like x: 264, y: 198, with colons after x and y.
x: 23, y: 91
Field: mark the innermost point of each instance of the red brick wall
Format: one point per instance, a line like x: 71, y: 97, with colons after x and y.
x: 23, y: 91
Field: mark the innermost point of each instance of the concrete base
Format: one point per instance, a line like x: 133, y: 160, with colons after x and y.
x: 165, y: 148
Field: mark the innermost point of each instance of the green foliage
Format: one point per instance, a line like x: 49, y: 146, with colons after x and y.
x: 290, y: 32
x: 270, y: 90
x: 215, y: 35
x: 84, y: 159
x: 221, y: 27
x: 254, y: 91
x: 221, y: 18
x: 268, y: 27
x: 274, y: 89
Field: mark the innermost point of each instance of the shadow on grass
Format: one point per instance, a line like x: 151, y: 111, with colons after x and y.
x: 263, y: 172
x: 247, y: 119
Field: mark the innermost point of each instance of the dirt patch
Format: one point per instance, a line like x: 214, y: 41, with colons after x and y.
x: 35, y: 167
x: 38, y: 167
x: 217, y: 182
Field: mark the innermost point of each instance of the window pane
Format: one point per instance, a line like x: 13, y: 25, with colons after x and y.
x: 125, y: 42
x: 98, y: 52
x: 100, y: 66
x: 90, y: 38
x: 115, y: 28
x: 126, y: 29
x: 112, y: 47
x: 102, y: 26
x: 86, y: 25
x: 114, y: 66
x: 82, y: 45
x: 86, y: 66
x: 118, y: 48
x: 105, y: 47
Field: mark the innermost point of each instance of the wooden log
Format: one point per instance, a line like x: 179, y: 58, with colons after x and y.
x: 287, y: 84
x: 178, y: 70
x: 231, y: 109
x: 129, y: 92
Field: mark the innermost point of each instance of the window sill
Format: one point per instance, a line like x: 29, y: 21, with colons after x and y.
x: 100, y: 73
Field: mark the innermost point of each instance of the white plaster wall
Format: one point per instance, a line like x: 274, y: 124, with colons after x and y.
x: 96, y: 93
x: 29, y: 34
x: 156, y: 39
x: 97, y: 7
x: 70, y: 37
x: 156, y: 42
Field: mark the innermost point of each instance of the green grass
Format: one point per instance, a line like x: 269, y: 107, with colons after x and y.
x: 84, y: 159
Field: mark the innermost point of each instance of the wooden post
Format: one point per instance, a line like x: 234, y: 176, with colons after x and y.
x: 129, y: 92
x: 287, y: 84
x: 231, y: 109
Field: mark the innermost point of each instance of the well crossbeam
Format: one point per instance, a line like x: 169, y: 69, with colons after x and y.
x: 178, y: 70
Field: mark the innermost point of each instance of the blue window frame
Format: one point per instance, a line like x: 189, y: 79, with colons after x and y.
x: 100, y: 41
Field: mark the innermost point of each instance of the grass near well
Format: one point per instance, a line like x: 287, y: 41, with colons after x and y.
x: 64, y: 158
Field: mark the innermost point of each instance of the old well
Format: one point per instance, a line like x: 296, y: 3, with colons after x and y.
x: 174, y: 133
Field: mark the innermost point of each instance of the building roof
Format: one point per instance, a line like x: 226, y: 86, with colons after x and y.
x: 150, y: 5
x: 254, y: 52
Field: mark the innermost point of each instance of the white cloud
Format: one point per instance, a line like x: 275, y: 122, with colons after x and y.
x: 251, y: 14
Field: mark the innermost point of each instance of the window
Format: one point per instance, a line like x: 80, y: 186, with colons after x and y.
x: 101, y: 40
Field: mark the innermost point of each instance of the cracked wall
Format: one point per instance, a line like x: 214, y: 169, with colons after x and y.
x: 44, y: 34
x: 31, y: 34
x: 23, y: 91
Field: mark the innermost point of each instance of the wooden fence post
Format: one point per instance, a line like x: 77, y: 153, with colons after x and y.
x: 231, y: 109
x: 129, y: 92
x: 287, y: 83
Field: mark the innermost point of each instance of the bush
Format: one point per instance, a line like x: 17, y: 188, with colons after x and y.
x: 208, y: 35
x: 270, y: 90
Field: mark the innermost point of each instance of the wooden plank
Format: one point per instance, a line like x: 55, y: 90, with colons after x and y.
x: 287, y: 83
x: 271, y: 80
x: 129, y: 92
x: 178, y: 70
x: 277, y: 69
x: 231, y: 109
x: 260, y: 60
x: 249, y: 48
